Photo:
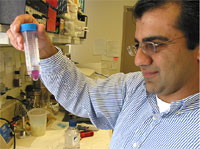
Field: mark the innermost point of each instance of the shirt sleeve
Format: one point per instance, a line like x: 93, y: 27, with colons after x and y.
x: 99, y: 100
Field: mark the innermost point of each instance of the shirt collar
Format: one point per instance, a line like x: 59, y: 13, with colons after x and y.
x: 191, y: 102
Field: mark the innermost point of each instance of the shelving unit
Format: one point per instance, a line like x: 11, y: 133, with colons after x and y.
x: 56, y: 38
x: 59, y: 39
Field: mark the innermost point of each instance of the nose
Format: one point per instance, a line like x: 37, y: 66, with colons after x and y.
x: 142, y: 59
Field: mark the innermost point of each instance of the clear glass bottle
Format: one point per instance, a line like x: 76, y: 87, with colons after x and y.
x: 29, y: 32
x: 72, y: 136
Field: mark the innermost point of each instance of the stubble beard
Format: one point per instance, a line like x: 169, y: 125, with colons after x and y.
x: 154, y: 87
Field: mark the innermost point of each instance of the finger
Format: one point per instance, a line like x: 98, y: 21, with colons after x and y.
x: 20, y: 42
x: 41, y: 29
x: 21, y: 19
x: 16, y: 40
x: 41, y: 32
x: 12, y: 39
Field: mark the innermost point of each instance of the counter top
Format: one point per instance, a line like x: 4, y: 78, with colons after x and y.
x: 54, y: 139
x: 100, y: 140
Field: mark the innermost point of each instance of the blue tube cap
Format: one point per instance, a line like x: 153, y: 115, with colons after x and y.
x: 72, y: 123
x: 28, y: 27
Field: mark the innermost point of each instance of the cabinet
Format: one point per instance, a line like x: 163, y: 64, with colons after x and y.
x: 65, y: 22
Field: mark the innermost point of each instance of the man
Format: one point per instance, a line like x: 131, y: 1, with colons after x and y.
x: 167, y: 51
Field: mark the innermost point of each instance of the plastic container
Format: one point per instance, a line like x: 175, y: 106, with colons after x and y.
x: 38, y: 121
x: 72, y: 136
x: 29, y: 32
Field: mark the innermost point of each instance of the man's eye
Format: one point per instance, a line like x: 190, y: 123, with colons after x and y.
x: 157, y: 44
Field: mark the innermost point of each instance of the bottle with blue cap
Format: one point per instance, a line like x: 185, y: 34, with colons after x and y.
x: 72, y: 136
x: 29, y: 32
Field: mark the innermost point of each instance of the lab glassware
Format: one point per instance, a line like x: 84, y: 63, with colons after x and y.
x: 29, y: 32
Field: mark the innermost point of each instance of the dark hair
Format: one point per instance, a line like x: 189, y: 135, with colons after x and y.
x: 188, y: 21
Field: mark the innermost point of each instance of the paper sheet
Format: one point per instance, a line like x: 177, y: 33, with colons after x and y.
x: 106, y: 58
x: 113, y: 48
x: 114, y: 65
x: 99, y: 47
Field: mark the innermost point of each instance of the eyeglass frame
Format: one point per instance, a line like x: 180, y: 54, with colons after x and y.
x: 155, y: 45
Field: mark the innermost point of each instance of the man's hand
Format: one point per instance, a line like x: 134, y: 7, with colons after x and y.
x: 46, y: 47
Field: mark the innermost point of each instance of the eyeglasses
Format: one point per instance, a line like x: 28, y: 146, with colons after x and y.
x: 148, y: 47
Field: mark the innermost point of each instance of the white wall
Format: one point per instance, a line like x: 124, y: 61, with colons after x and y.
x: 105, y: 22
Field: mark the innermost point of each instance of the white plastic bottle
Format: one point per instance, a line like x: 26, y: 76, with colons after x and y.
x: 29, y: 32
x: 72, y: 136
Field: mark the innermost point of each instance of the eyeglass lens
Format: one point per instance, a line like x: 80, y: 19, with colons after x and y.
x: 148, y: 47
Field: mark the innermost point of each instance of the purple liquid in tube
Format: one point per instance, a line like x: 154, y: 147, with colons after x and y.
x: 35, y: 75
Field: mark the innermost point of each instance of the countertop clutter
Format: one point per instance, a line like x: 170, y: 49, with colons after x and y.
x: 54, y: 137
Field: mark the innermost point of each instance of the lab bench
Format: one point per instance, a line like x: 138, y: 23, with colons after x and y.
x: 54, y: 138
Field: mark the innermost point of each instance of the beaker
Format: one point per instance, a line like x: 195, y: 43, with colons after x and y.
x: 38, y: 121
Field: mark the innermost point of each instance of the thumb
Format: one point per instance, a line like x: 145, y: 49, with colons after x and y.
x: 41, y: 30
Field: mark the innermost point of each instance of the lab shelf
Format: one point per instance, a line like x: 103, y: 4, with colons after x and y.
x: 56, y: 38
x: 4, y: 39
x: 59, y: 39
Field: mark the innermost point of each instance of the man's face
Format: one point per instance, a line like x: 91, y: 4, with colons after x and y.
x: 173, y: 67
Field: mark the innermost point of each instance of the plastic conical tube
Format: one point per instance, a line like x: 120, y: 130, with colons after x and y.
x: 29, y: 32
